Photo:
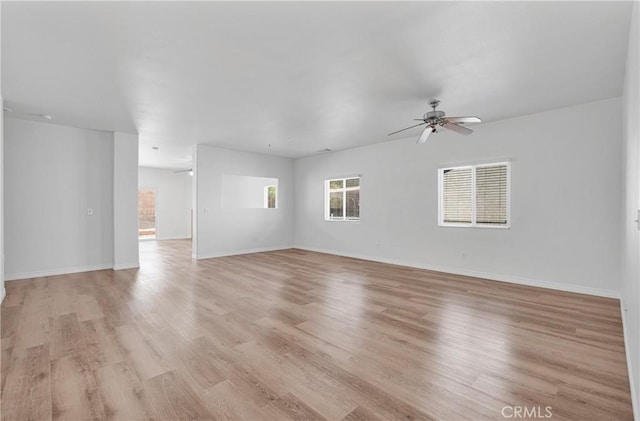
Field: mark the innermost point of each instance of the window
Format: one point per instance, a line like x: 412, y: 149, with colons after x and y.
x: 342, y: 199
x: 249, y: 192
x: 474, y: 195
x: 270, y: 197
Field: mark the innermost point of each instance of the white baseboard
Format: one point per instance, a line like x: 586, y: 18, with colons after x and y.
x: 490, y: 276
x: 54, y: 272
x: 173, y: 238
x: 627, y: 351
x: 237, y: 252
x: 121, y: 266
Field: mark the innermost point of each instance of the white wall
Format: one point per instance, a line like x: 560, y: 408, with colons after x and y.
x: 222, y: 231
x: 565, y: 201
x: 2, y: 291
x: 630, y: 288
x: 173, y: 201
x: 125, y: 201
x: 2, y: 169
x: 53, y: 174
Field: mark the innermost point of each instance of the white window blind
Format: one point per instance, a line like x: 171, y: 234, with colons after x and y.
x: 456, y: 195
x: 491, y: 194
x: 476, y: 195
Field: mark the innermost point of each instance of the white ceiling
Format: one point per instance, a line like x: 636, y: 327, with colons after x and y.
x: 291, y: 78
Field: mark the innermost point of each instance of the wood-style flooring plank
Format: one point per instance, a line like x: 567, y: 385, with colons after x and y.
x: 122, y: 393
x: 294, y: 408
x: 226, y: 402
x: 360, y: 414
x: 74, y: 391
x: 146, y: 361
x: 10, y: 317
x: 27, y: 392
x: 66, y: 336
x: 33, y: 327
x: 173, y: 399
x: 317, y: 393
x: 87, y: 308
x: 5, y: 362
x: 102, y: 345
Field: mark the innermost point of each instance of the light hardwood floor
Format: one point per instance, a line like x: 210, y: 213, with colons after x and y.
x: 301, y: 335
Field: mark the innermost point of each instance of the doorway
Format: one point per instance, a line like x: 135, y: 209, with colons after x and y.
x: 146, y: 214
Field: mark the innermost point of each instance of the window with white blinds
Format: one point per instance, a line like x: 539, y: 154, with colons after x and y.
x: 491, y: 194
x: 474, y: 195
x: 456, y: 195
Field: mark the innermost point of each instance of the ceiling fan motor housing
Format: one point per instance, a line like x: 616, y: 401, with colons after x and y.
x: 433, y: 116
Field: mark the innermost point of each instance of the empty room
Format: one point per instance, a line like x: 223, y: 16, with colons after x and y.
x: 320, y: 210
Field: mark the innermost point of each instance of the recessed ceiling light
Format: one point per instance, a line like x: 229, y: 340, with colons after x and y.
x: 155, y: 148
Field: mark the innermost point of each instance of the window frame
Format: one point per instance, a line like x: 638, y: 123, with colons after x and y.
x: 473, y: 224
x: 266, y: 196
x: 344, y: 189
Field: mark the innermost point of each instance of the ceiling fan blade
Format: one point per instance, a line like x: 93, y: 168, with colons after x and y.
x: 469, y: 119
x: 425, y: 134
x: 458, y: 129
x: 407, y: 128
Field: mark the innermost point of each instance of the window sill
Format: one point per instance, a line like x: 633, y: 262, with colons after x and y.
x: 500, y: 227
x: 356, y: 221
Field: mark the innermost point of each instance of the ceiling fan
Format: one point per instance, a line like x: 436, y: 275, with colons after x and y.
x: 434, y: 119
